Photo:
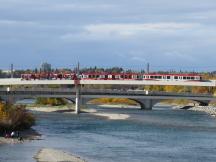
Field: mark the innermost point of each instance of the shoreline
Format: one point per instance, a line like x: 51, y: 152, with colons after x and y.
x: 49, y: 108
x: 27, y: 135
x: 53, y: 155
x: 91, y: 111
x: 211, y: 110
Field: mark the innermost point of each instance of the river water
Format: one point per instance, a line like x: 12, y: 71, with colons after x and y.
x: 148, y: 136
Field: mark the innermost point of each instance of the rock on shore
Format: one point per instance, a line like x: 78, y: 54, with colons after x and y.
x: 208, y: 109
x: 52, y: 155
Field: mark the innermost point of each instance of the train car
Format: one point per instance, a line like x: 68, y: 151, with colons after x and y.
x: 173, y: 77
x: 94, y: 76
x: 112, y: 76
x: 48, y: 76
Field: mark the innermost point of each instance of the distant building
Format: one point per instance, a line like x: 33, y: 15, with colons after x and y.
x: 45, y: 67
x: 6, y: 71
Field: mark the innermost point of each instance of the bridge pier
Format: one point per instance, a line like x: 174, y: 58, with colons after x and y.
x: 146, y: 104
x: 77, y: 100
x: 9, y: 100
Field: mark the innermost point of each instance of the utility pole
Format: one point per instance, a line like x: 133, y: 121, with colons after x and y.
x: 12, y: 71
x: 148, y: 68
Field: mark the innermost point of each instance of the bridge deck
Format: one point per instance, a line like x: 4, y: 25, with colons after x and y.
x: 7, y: 82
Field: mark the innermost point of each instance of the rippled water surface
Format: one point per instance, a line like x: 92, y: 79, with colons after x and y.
x: 159, y: 135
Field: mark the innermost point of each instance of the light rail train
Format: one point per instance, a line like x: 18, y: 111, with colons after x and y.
x: 112, y: 76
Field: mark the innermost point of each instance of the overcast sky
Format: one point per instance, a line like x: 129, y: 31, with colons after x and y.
x: 170, y: 34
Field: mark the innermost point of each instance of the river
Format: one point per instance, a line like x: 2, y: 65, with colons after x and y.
x: 163, y: 135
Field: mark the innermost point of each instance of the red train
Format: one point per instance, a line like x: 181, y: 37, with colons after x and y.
x: 112, y: 76
x: 48, y: 76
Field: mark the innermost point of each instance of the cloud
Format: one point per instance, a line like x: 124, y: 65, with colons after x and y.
x: 179, y: 55
x: 126, y: 30
x: 140, y: 59
x: 157, y: 30
x: 131, y: 29
x: 17, y: 23
x: 76, y: 7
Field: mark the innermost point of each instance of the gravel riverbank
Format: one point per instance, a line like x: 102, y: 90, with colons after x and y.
x: 208, y: 109
x: 92, y: 111
x: 51, y: 155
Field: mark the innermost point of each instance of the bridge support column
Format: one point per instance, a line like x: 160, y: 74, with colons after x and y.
x: 77, y: 100
x: 146, y: 104
x: 10, y: 100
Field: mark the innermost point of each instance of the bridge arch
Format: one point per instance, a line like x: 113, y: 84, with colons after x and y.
x: 145, y: 104
x: 69, y: 99
x: 14, y: 100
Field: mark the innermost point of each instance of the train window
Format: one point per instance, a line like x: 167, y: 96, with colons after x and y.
x: 117, y: 76
x: 168, y: 77
x: 192, y: 78
x: 151, y: 77
x: 175, y: 77
x: 139, y: 76
x: 134, y: 76
x: 159, y: 77
x: 188, y: 78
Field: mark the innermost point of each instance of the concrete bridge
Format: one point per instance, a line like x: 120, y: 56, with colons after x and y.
x: 146, y: 100
x: 18, y: 81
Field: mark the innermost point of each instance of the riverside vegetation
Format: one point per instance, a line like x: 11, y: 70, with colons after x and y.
x: 13, y: 118
x: 51, y: 101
